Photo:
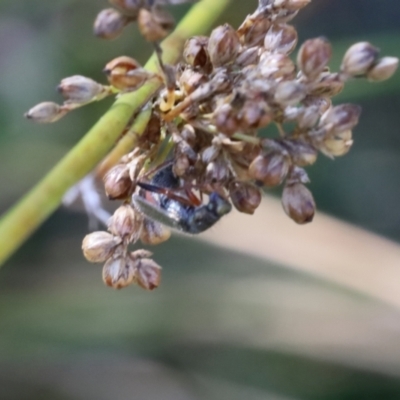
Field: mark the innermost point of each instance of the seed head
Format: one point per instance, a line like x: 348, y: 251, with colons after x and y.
x: 117, y: 183
x: 119, y: 272
x: 126, y: 223
x: 298, y: 203
x: 79, y: 89
x: 46, y: 112
x: 99, y: 246
x: 384, y: 69
x: 245, y: 196
x: 223, y: 46
x: 269, y: 168
x: 359, y: 59
x: 154, y: 25
x: 281, y: 38
x: 110, y: 23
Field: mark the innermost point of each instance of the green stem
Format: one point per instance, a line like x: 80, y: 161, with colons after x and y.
x: 45, y: 197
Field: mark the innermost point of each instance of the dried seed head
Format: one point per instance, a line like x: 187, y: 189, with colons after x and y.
x: 337, y: 145
x: 154, y: 25
x: 290, y: 92
x: 99, y: 246
x: 298, y: 203
x: 276, y: 66
x: 119, y: 272
x: 80, y: 89
x: 223, y: 46
x: 301, y: 153
x: 281, y: 38
x: 117, y: 183
x: 248, y: 56
x: 330, y: 85
x: 154, y: 233
x: 217, y: 171
x: 245, y: 196
x: 308, y: 117
x: 359, y: 59
x: 313, y: 56
x: 126, y: 223
x: 190, y: 80
x: 148, y: 274
x: 128, y: 7
x: 195, y: 52
x: 384, y: 69
x: 253, y: 30
x: 125, y: 73
x: 110, y: 23
x: 46, y: 112
x: 341, y: 118
x: 269, y: 168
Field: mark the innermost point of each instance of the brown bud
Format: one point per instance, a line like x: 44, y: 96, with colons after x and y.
x: 330, y: 85
x: 119, y: 272
x: 128, y: 7
x: 281, y: 38
x: 46, y: 112
x: 154, y: 25
x: 249, y: 56
x: 384, y: 69
x: 117, y: 183
x: 217, y: 171
x: 223, y: 46
x: 337, y: 145
x: 290, y: 92
x: 276, y: 66
x: 301, y: 153
x: 154, y: 233
x: 341, y: 118
x: 314, y: 56
x: 245, y: 196
x: 298, y: 203
x: 80, y: 89
x: 126, y: 223
x: 99, y: 246
x: 190, y: 80
x: 125, y: 73
x: 148, y: 274
x: 269, y: 168
x: 109, y: 24
x: 253, y: 30
x: 359, y: 59
x: 195, y: 52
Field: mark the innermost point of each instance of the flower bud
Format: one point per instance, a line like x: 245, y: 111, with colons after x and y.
x: 190, y: 80
x: 253, y: 30
x: 154, y: 25
x: 79, y: 89
x: 154, y: 233
x: 289, y: 93
x: 281, y: 38
x: 314, y: 56
x: 337, y: 145
x: 99, y: 246
x: 126, y: 223
x: 217, y: 171
x: 125, y: 73
x: 341, y: 118
x: 148, y: 274
x: 245, y: 196
x: 117, y: 183
x: 195, y: 52
x: 109, y: 24
x: 384, y: 69
x: 269, y: 168
x: 247, y: 57
x: 298, y: 203
x: 359, y: 59
x: 301, y: 153
x: 330, y: 85
x: 46, y: 112
x: 223, y: 46
x: 119, y: 272
x: 309, y: 117
x: 276, y: 66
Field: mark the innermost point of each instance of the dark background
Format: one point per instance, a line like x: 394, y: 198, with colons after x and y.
x: 222, y: 325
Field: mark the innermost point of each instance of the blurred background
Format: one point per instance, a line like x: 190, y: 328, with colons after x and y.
x: 223, y: 324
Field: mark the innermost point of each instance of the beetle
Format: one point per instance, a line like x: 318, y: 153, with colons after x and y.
x: 158, y: 201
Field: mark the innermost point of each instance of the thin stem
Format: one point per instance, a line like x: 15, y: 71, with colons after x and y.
x: 45, y: 197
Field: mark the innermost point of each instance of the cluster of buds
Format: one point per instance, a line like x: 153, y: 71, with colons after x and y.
x: 154, y: 22
x: 209, y: 114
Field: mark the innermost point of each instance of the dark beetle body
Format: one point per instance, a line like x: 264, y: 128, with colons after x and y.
x: 174, y: 213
